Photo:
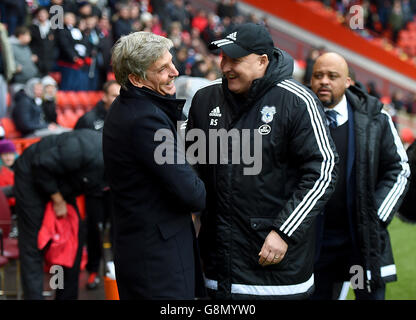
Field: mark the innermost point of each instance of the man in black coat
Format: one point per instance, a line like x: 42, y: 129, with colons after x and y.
x: 43, y: 43
x: 58, y: 168
x: 353, y: 240
x: 154, y: 238
x: 94, y: 119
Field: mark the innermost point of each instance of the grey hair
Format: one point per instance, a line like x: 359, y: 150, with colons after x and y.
x: 135, y: 53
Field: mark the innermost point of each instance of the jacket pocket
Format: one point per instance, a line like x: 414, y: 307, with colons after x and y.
x: 171, y: 227
x: 261, y: 228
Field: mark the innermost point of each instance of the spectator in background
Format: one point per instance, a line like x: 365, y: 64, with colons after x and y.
x: 7, y: 68
x: 72, y: 54
x: 27, y: 113
x: 49, y: 99
x: 176, y: 34
x: 93, y: 36
x: 43, y: 43
x: 200, y: 21
x: 176, y: 11
x: 397, y: 100
x: 372, y: 89
x: 122, y: 25
x: 313, y: 54
x: 67, y: 5
x: 99, y: 204
x: 8, y: 156
x: 94, y: 119
x: 14, y: 14
x: 157, y: 26
x: 26, y: 68
x: 411, y: 104
x: 180, y: 60
x: 396, y: 19
x: 227, y: 8
x: 106, y: 43
x: 135, y: 17
x: 407, y: 11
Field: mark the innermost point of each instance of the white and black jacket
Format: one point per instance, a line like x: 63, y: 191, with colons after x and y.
x: 297, y: 176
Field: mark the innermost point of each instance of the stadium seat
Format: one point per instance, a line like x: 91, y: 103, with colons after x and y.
x: 9, y: 128
x: 83, y: 100
x: 62, y: 100
x: 22, y: 143
x: 72, y: 99
x: 70, y: 118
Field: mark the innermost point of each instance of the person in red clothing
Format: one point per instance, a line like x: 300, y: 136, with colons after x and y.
x: 8, y: 155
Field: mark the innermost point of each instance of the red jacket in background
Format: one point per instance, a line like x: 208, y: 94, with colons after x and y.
x: 63, y: 234
x: 7, y: 179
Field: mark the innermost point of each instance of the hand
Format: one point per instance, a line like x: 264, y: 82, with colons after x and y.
x: 60, y: 209
x: 59, y: 205
x: 52, y: 126
x: 273, y: 250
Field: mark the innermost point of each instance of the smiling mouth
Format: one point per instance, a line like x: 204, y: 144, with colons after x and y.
x: 324, y: 91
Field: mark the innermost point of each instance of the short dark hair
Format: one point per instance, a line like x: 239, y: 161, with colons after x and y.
x: 21, y: 30
x: 108, y: 84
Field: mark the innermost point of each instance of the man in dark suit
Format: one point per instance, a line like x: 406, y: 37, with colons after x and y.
x: 155, y: 252
x: 372, y: 181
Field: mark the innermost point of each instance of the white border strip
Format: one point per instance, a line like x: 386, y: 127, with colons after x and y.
x: 261, y: 290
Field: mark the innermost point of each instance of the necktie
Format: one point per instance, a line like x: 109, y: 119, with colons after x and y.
x: 331, y: 116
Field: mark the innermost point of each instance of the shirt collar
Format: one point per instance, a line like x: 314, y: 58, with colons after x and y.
x: 342, y: 111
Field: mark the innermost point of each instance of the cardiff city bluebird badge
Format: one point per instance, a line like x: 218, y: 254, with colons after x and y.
x: 267, y: 114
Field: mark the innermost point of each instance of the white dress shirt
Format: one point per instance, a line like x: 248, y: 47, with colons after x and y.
x: 342, y: 111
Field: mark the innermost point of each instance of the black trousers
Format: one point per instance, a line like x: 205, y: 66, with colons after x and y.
x: 98, y: 211
x: 332, y: 269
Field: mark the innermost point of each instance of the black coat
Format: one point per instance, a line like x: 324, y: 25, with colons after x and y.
x: 70, y: 163
x: 44, y: 48
x: 27, y: 115
x: 382, y: 179
x: 66, y: 45
x: 93, y: 119
x: 296, y: 177
x: 407, y: 211
x: 154, y: 242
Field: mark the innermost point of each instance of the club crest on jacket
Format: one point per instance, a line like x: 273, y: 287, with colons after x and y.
x: 268, y: 113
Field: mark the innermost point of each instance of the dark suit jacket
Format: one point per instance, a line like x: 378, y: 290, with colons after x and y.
x: 154, y: 236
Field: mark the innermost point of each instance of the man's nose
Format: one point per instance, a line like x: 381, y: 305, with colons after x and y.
x: 173, y: 71
x: 225, y: 66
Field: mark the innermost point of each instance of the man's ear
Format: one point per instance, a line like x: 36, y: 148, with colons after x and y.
x: 135, y: 80
x: 347, y: 82
x: 264, y: 59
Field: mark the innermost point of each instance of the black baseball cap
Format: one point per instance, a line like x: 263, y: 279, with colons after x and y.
x: 245, y: 39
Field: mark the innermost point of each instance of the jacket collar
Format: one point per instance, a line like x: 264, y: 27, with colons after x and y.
x: 168, y: 104
x: 362, y: 101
